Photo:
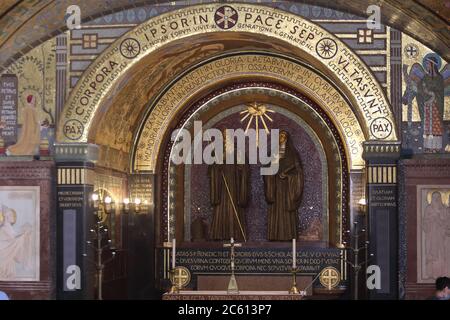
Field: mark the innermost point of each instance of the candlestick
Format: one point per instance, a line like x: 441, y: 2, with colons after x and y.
x: 174, y: 288
x: 294, y: 254
x: 294, y: 289
x: 173, y: 252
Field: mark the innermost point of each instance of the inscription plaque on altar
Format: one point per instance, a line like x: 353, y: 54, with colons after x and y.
x: 258, y: 261
x: 8, y: 108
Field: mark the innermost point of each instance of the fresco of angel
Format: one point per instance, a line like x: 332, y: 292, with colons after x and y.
x: 429, y: 84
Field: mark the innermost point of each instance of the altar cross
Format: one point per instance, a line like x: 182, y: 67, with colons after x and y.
x: 232, y: 285
x: 231, y: 245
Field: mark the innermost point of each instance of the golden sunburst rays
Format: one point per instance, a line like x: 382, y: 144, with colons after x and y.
x: 257, y: 111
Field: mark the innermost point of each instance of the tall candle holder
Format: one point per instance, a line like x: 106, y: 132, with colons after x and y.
x: 294, y: 270
x: 294, y: 289
x: 100, y: 239
x: 356, y: 264
x: 174, y: 288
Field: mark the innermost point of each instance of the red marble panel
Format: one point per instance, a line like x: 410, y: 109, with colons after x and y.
x: 425, y: 170
x: 36, y: 173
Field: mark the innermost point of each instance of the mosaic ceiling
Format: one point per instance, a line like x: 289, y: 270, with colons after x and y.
x: 26, y: 23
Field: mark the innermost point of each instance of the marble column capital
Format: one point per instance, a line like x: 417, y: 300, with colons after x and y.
x: 381, y: 150
x: 76, y: 152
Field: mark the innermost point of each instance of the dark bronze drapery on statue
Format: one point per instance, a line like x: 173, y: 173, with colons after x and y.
x: 225, y: 223
x: 283, y: 192
x: 229, y: 196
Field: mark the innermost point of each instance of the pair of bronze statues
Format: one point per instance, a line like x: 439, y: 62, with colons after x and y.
x: 229, y: 186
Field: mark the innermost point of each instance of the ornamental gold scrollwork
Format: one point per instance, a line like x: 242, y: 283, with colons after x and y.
x: 329, y: 277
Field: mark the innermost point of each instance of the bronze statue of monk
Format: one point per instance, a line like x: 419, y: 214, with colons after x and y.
x: 283, y: 192
x: 228, y: 188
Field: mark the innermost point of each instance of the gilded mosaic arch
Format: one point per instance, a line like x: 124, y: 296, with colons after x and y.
x: 318, y: 44
x: 253, y: 65
x: 224, y: 100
